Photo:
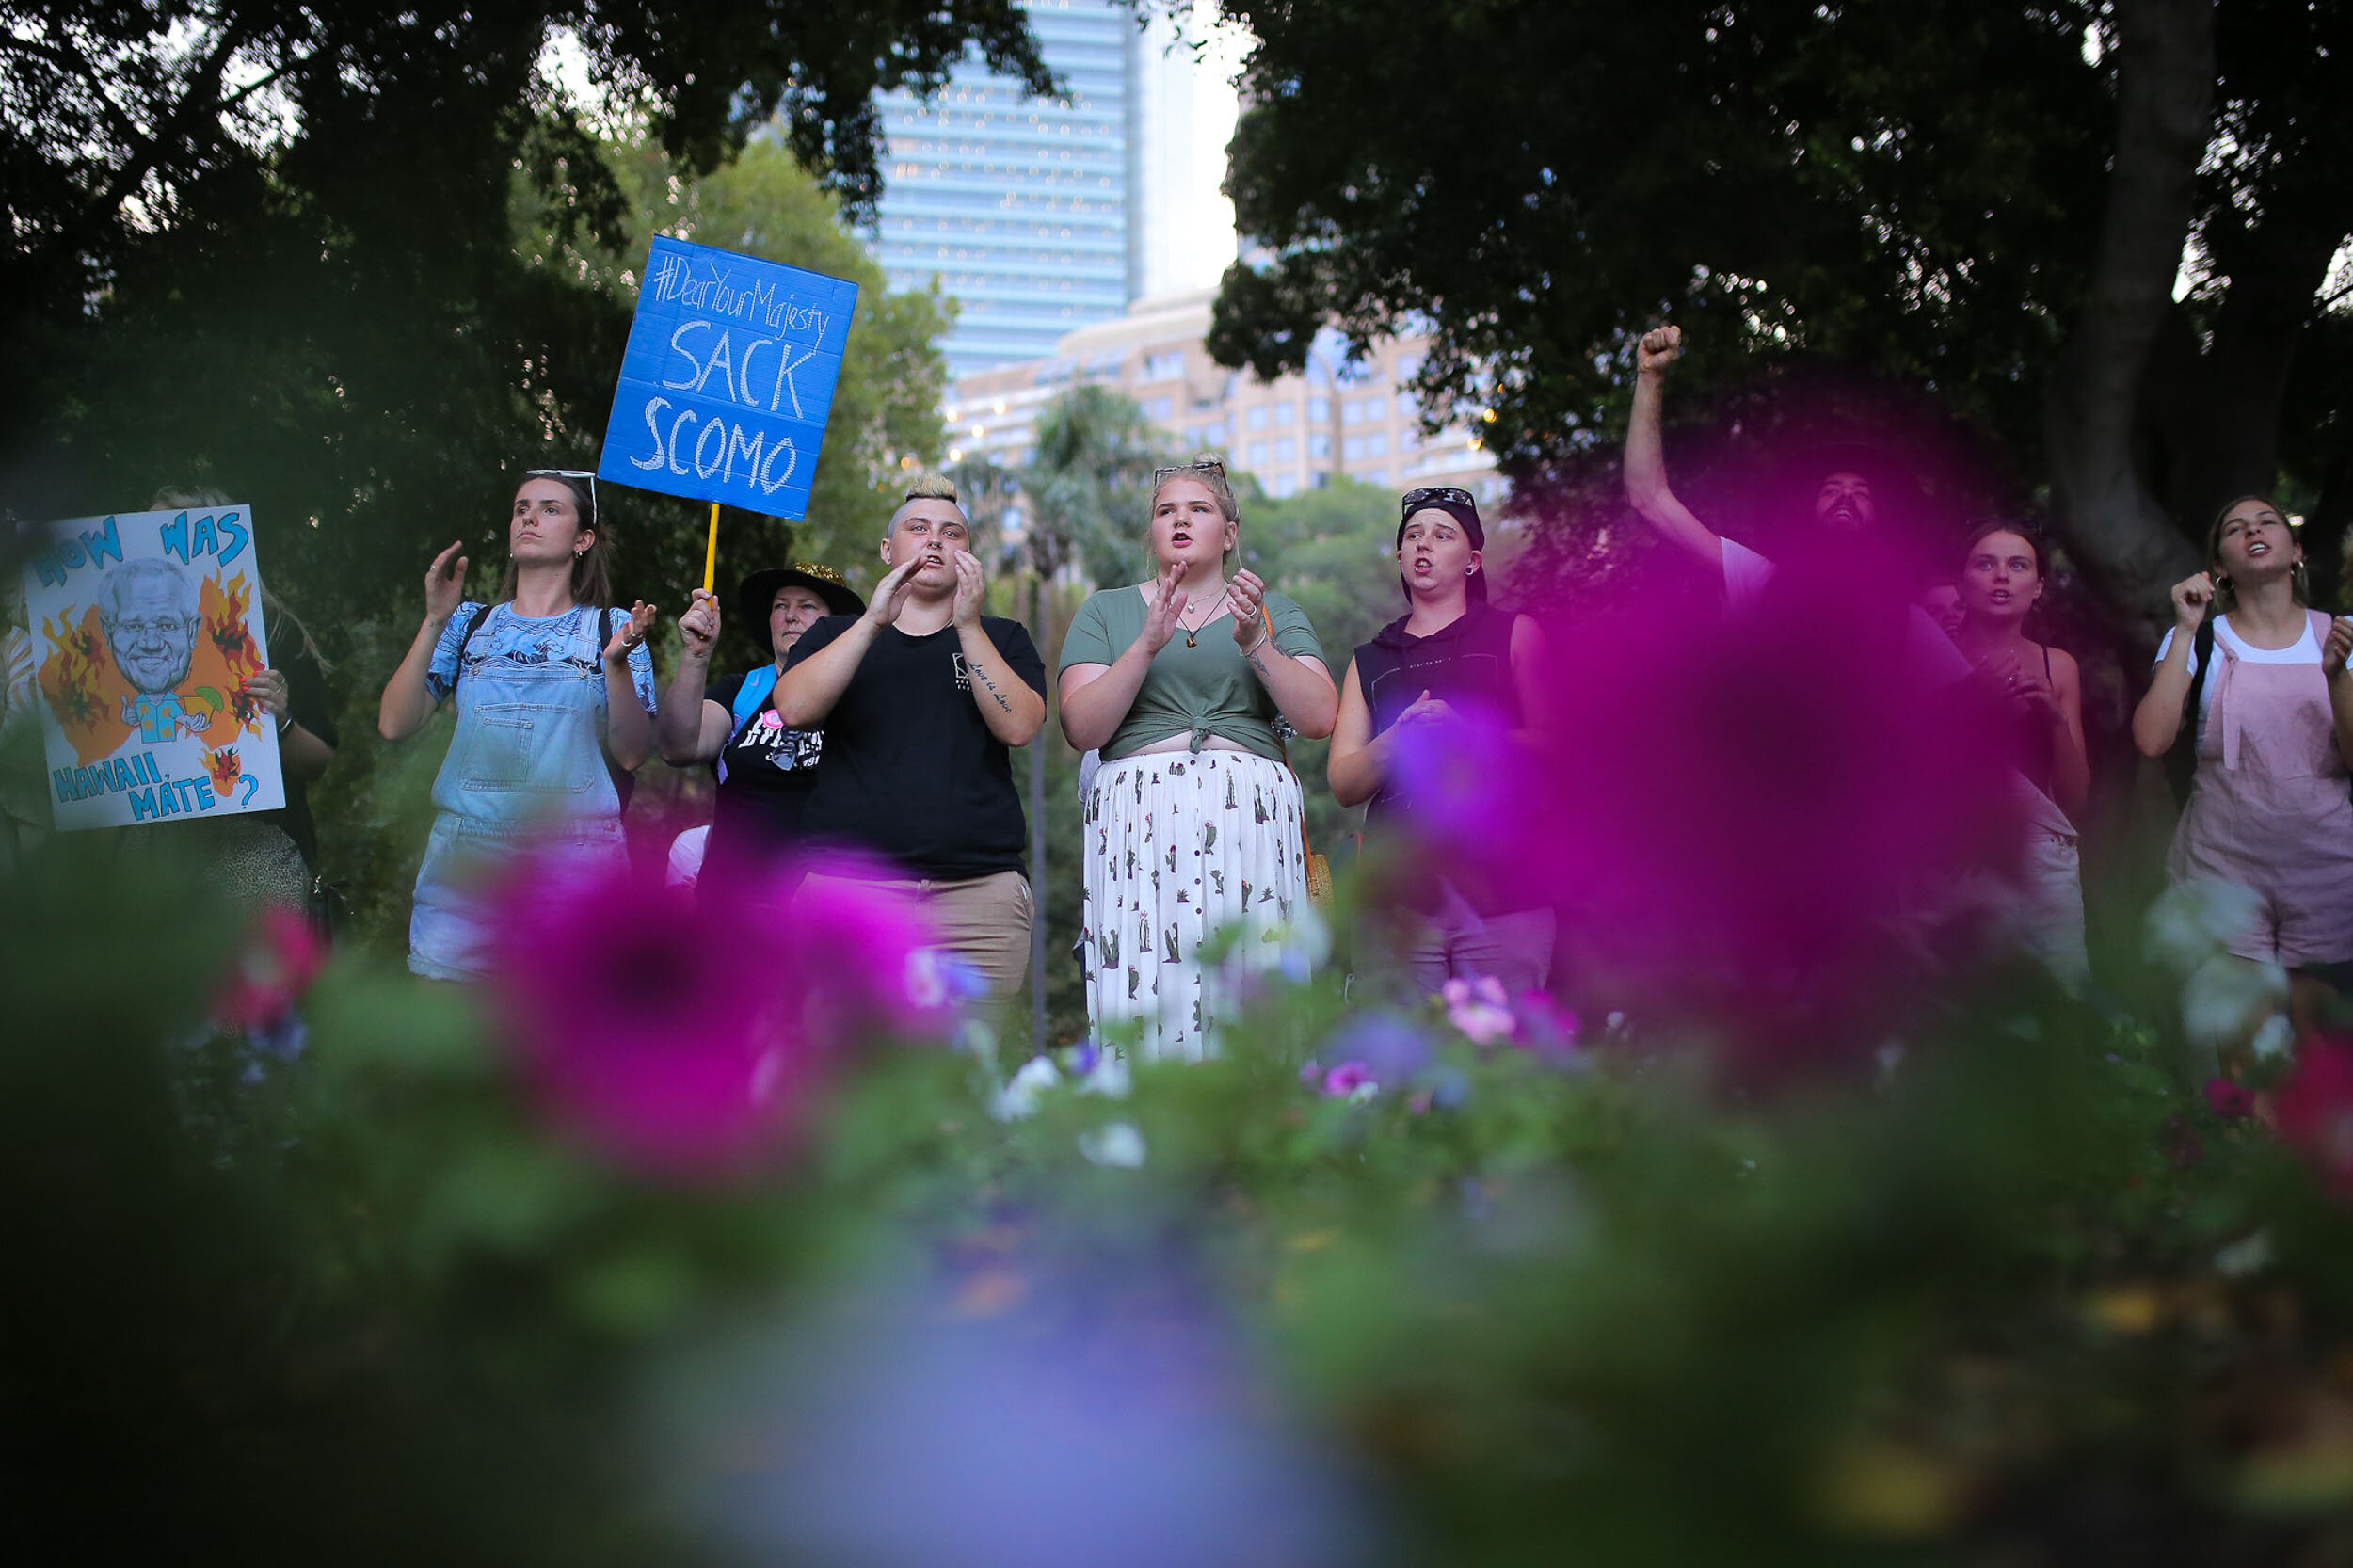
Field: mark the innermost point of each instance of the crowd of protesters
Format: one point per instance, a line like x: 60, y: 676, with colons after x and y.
x: 883, y: 727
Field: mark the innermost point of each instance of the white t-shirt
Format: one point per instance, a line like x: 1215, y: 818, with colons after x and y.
x: 1929, y: 656
x: 2304, y: 650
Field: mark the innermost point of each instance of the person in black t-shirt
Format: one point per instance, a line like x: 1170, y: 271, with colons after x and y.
x: 765, y: 770
x: 920, y: 698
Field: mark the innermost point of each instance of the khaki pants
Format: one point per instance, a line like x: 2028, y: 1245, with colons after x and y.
x: 983, y: 921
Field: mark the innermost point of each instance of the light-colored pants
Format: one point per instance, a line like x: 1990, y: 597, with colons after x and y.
x: 1455, y: 940
x: 983, y: 921
x: 2048, y: 918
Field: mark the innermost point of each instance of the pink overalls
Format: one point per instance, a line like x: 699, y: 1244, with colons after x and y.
x: 2270, y: 808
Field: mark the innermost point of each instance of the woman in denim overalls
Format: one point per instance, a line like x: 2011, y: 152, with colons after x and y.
x: 555, y: 695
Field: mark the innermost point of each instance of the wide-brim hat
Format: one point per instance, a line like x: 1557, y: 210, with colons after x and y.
x: 758, y: 592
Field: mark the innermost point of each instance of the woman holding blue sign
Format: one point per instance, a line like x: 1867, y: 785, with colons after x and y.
x: 555, y: 702
x: 765, y: 770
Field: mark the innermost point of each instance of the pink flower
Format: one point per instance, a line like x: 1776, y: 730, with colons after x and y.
x: 2316, y: 1109
x: 281, y: 958
x: 688, y: 1036
x: 1747, y: 824
x: 2228, y: 1100
x: 1346, y: 1079
x: 1479, y: 1009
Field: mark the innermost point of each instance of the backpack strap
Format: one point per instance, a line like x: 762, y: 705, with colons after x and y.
x: 2202, y: 653
x: 473, y: 624
x: 752, y: 696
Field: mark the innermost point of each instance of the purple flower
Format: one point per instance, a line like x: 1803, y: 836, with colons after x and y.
x: 1544, y: 1026
x: 1389, y: 1046
x: 684, y: 1038
x: 1053, y: 1417
x: 1346, y: 1079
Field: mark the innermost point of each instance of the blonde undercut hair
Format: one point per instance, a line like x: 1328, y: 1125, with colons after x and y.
x: 928, y: 485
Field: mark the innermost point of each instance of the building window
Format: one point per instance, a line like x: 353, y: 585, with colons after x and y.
x: 1255, y: 418
x: 1318, y: 445
x: 1318, y: 410
x: 1376, y: 476
x: 1352, y: 448
x: 1163, y: 367
x: 1351, y: 412
x: 1285, y: 412
x: 1287, y: 484
x: 1409, y: 437
x: 1285, y: 449
x: 1214, y: 435
x: 1161, y: 407
x: 1258, y: 453
x: 1376, y: 446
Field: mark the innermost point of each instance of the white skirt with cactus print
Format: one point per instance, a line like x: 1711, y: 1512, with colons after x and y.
x: 1182, y: 847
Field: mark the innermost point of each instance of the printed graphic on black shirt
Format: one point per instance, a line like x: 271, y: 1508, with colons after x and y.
x: 765, y: 740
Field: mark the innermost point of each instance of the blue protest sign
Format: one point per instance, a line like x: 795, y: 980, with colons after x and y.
x: 727, y: 379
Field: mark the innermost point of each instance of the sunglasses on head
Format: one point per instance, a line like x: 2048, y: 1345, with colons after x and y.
x: 1199, y: 465
x: 1428, y: 494
x: 570, y: 474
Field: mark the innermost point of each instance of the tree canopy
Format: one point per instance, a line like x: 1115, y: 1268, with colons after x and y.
x: 341, y: 260
x: 1951, y: 195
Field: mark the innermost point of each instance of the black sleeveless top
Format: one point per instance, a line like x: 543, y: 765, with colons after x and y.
x: 1465, y: 663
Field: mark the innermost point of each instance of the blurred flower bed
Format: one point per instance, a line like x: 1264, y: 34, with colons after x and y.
x: 673, y: 1251
x: 1815, y: 1235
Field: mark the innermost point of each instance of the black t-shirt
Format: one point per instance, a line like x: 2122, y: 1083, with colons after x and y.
x: 766, y: 773
x: 911, y: 771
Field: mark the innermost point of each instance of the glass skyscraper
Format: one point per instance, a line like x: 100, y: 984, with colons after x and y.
x: 1021, y: 207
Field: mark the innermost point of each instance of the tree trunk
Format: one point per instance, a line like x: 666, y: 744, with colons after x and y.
x: 2164, y: 108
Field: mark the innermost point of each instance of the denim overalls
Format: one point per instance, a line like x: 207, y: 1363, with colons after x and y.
x: 526, y: 767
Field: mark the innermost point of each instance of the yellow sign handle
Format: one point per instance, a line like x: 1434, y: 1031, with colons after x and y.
x: 711, y: 551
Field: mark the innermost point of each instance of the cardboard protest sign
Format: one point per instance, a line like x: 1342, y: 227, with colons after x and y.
x: 145, y: 628
x: 727, y: 379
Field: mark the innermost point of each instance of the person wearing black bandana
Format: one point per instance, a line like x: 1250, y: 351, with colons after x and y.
x: 1451, y: 657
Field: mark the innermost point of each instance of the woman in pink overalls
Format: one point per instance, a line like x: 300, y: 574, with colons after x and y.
x: 2271, y: 808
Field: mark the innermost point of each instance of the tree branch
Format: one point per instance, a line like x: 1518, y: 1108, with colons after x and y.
x: 202, y: 97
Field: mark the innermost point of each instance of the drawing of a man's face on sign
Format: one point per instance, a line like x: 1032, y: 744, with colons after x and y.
x: 148, y: 640
x: 149, y: 610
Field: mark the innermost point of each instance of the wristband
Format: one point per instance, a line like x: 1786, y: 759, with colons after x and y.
x: 285, y: 722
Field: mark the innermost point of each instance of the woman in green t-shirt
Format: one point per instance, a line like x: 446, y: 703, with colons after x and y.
x: 1192, y: 822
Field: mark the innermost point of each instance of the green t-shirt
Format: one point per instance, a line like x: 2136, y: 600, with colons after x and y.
x: 1205, y: 690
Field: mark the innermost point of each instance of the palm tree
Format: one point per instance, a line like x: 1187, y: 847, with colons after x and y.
x: 1088, y: 487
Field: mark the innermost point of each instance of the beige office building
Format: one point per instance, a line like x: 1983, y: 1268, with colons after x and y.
x: 1296, y: 433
